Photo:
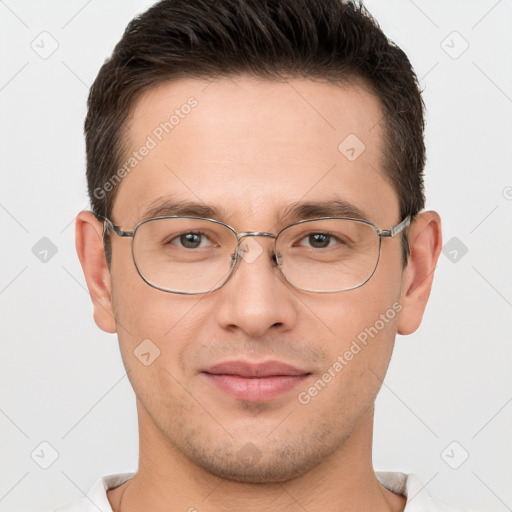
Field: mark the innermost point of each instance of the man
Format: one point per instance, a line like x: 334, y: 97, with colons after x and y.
x: 257, y: 241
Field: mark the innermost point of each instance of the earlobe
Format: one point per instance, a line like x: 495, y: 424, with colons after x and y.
x: 89, y: 246
x: 425, y: 242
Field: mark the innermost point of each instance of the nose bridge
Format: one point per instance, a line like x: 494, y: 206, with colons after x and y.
x: 248, y: 248
x: 254, y: 302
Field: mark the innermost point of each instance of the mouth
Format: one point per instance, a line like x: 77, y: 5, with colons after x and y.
x: 254, y: 382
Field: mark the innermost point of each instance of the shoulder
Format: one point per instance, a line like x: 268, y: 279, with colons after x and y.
x: 410, y: 486
x: 96, y: 499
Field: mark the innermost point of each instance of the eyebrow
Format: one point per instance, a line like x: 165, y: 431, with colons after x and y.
x: 299, y: 210
x: 335, y: 207
x: 163, y: 207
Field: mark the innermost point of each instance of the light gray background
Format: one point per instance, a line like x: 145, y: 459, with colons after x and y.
x: 62, y: 378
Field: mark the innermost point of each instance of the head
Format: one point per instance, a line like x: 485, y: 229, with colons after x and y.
x: 245, y: 109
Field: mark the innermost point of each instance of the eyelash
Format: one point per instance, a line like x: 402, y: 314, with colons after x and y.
x: 304, y: 236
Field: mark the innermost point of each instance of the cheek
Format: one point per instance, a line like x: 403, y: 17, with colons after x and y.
x: 152, y: 325
x: 358, y: 341
x: 358, y: 356
x: 156, y: 332
x: 345, y: 316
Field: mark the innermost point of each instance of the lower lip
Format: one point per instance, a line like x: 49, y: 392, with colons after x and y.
x: 255, y: 389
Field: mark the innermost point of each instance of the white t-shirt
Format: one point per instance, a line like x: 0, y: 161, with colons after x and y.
x: 408, y: 485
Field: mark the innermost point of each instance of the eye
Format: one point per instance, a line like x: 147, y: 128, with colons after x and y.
x: 190, y: 240
x: 319, y: 240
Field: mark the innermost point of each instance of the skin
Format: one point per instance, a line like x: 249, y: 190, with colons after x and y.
x: 255, y: 147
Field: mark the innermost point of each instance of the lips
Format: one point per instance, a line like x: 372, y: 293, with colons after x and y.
x: 254, y: 382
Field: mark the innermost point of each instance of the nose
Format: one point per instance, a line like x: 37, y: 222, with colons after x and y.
x: 257, y: 299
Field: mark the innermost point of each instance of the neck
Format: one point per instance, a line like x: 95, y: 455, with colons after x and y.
x: 166, y: 480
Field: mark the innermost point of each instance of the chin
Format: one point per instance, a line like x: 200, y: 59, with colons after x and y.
x: 261, y: 473
x: 254, y: 465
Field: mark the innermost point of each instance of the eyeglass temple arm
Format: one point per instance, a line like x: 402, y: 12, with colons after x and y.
x: 391, y: 232
x: 108, y: 226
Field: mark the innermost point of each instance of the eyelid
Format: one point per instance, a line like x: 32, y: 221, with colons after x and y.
x: 331, y: 236
x: 202, y: 233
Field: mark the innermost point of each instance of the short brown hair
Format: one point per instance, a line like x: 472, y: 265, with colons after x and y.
x: 333, y: 40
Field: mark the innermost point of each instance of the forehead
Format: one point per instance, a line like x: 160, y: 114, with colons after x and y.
x: 253, y: 147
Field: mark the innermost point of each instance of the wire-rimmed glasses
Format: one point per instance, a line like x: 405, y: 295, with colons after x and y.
x: 192, y: 255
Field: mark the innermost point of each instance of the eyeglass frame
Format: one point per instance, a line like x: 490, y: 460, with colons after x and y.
x: 109, y: 226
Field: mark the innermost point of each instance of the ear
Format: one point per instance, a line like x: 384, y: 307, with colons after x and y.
x: 425, y: 242
x: 89, y: 246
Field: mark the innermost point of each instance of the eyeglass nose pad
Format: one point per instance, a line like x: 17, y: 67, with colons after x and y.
x: 277, y: 258
x: 237, y: 255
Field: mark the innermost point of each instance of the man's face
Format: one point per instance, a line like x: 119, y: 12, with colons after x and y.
x: 252, y: 149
